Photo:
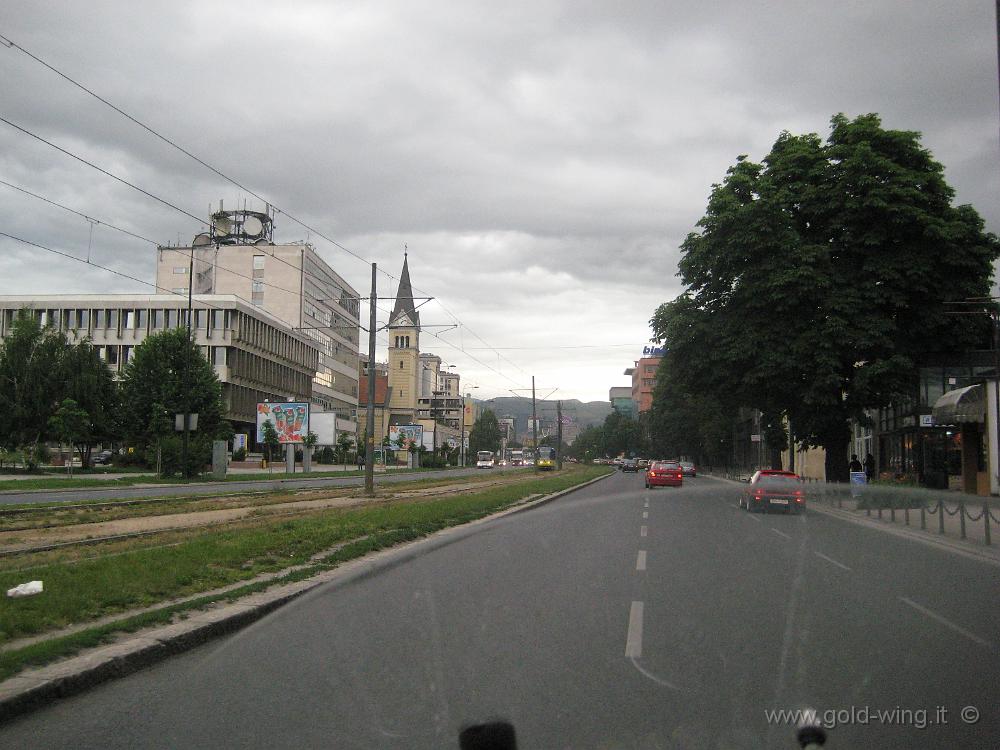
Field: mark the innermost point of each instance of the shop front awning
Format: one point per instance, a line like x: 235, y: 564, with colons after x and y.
x: 961, y: 406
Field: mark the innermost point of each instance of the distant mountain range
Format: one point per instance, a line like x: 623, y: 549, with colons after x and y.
x: 579, y: 413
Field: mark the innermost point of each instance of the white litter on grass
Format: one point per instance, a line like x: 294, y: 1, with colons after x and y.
x: 26, y: 589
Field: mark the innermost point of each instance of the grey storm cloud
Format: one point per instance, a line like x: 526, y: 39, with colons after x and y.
x: 542, y: 160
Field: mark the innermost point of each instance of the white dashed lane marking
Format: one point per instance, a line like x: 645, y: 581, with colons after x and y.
x: 831, y: 561
x: 640, y: 560
x: 633, y: 641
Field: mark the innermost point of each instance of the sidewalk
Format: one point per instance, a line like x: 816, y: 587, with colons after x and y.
x: 836, y: 500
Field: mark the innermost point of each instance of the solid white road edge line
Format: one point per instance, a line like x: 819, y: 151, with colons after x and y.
x: 946, y: 622
x: 633, y: 641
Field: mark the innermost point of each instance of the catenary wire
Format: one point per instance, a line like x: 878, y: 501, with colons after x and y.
x: 12, y: 44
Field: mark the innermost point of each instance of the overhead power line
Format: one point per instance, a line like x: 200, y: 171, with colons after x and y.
x: 218, y: 172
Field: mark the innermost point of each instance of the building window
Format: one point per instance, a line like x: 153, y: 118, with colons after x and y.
x: 400, y: 364
x: 218, y: 319
x: 100, y: 319
x: 257, y: 298
x: 158, y: 318
x: 180, y: 270
x: 200, y: 318
x: 129, y: 319
x: 400, y: 392
x: 126, y: 354
x: 256, y: 286
x: 112, y: 355
x: 258, y: 262
x: 113, y: 319
x: 172, y: 318
x: 141, y: 318
x: 83, y: 318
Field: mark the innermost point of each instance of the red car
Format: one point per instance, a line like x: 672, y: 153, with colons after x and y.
x: 774, y: 491
x: 664, y: 474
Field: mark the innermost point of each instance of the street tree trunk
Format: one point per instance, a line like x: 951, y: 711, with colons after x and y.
x: 836, y: 443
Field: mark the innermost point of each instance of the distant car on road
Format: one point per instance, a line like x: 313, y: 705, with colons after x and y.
x: 643, y: 463
x: 629, y: 464
x: 767, y: 492
x: 664, y: 474
x: 688, y: 469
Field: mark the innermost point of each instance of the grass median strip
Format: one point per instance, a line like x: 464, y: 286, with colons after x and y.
x: 96, y: 588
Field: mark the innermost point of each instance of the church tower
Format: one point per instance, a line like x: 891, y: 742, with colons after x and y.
x: 404, y: 353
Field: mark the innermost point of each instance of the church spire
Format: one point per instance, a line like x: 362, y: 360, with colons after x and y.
x: 404, y: 298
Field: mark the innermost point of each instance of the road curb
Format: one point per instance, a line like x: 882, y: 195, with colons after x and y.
x: 954, y: 546
x: 35, y: 688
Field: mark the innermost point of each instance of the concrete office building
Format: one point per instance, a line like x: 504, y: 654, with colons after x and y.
x: 256, y: 356
x: 290, y: 282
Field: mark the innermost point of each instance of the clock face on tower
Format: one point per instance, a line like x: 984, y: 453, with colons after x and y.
x: 403, y: 321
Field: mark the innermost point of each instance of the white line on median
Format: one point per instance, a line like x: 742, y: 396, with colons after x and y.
x: 642, y: 531
x: 633, y: 641
x: 780, y: 533
x: 946, y: 622
x: 640, y: 560
x: 831, y: 560
x: 645, y: 514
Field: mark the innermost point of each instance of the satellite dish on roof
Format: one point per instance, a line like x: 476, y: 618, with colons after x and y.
x: 221, y: 224
x: 253, y: 226
x: 200, y: 240
x: 262, y: 241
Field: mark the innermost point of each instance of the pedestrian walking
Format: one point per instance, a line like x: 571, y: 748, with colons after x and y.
x: 361, y: 461
x: 855, y: 463
x: 870, y: 467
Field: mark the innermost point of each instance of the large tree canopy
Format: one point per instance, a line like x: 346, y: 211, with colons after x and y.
x: 166, y: 376
x: 485, y: 433
x: 819, y: 277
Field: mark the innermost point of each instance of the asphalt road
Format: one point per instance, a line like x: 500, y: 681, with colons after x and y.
x: 590, y: 622
x: 217, y: 488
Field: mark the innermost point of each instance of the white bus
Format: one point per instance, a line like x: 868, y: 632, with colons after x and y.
x: 484, y: 460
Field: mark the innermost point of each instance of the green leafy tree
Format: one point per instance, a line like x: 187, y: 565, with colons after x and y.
x: 31, y: 384
x: 820, y: 277
x: 167, y: 375
x: 271, y: 440
x: 345, y: 444
x: 485, y: 433
x: 70, y: 424
x: 89, y: 383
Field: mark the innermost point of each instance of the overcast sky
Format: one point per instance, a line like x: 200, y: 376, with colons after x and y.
x: 542, y: 160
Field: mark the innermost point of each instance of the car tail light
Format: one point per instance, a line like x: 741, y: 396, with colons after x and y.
x: 652, y: 473
x: 758, y: 494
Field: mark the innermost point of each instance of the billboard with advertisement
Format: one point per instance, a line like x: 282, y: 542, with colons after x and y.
x: 399, y: 434
x: 291, y: 420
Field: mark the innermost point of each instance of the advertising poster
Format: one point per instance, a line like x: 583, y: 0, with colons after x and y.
x: 291, y: 420
x: 400, y: 434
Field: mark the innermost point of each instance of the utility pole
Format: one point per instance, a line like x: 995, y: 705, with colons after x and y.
x: 559, y: 435
x: 534, y: 423
x: 370, y: 414
x: 791, y: 447
x: 184, y: 379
